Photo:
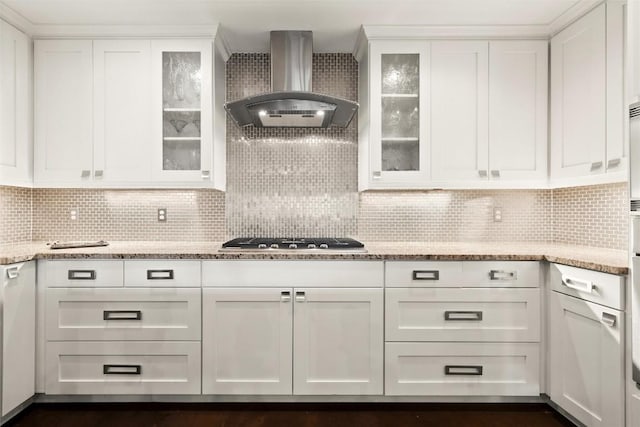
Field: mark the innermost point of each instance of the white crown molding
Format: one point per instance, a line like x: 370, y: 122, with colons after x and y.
x: 571, y: 15
x: 14, y: 18
x: 222, y: 45
x: 417, y: 32
x: 361, y: 46
x: 123, y: 31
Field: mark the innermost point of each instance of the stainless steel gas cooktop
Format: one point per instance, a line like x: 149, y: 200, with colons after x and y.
x: 292, y: 244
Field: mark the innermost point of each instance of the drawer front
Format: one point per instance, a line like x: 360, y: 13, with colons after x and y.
x: 122, y: 368
x: 432, y: 274
x: 593, y: 286
x: 81, y: 273
x: 440, y: 314
x: 123, y: 314
x: 275, y: 273
x: 468, y: 369
x: 162, y: 273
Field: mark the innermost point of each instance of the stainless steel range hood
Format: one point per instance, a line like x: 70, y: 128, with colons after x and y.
x: 291, y: 102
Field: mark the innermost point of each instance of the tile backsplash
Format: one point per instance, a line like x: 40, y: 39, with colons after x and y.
x: 15, y: 214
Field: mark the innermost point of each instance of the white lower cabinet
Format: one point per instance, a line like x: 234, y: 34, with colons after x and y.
x: 247, y: 341
x: 18, y: 334
x: 634, y: 412
x: 587, y: 360
x: 123, y: 367
x: 338, y: 344
x: 305, y: 341
x: 453, y: 369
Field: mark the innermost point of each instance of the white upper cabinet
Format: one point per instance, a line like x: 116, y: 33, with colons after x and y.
x: 453, y: 114
x: 182, y: 110
x: 587, y: 120
x: 633, y: 51
x: 63, y: 113
x: 122, y: 120
x: 16, y: 153
x: 518, y: 110
x: 399, y: 114
x: 459, y: 111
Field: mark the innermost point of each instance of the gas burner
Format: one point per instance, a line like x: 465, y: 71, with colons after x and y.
x: 292, y: 244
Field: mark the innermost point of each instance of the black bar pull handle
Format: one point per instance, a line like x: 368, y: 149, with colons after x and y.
x: 122, y: 315
x: 159, y: 274
x: 426, y: 275
x: 463, y: 370
x: 122, y: 369
x: 81, y: 275
x: 463, y: 315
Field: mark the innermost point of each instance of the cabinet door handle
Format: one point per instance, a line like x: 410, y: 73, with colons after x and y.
x: 482, y: 173
x: 13, y: 272
x: 81, y: 275
x: 578, y: 284
x: 301, y: 296
x: 122, y: 315
x: 85, y: 173
x: 463, y: 315
x: 463, y: 370
x: 206, y: 175
x: 377, y: 175
x: 98, y: 173
x: 122, y: 369
x: 426, y: 275
x: 613, y: 163
x: 609, y: 319
x: 495, y: 173
x: 285, y: 296
x: 159, y: 274
x: 595, y: 166
x: 502, y: 275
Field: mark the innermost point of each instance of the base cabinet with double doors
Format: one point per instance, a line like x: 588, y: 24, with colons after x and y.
x: 121, y: 327
x: 586, y: 343
x: 301, y: 327
x: 462, y: 328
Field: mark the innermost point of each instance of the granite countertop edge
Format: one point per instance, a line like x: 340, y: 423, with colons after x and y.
x: 598, y: 259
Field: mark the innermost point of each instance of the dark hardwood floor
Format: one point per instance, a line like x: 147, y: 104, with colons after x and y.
x: 289, y: 414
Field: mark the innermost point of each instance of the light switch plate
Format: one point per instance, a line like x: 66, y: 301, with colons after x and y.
x: 497, y: 214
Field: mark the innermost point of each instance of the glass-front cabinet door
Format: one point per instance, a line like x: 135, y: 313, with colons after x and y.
x: 399, y: 116
x: 183, y: 110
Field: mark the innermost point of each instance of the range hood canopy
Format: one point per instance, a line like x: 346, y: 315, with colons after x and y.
x: 291, y: 102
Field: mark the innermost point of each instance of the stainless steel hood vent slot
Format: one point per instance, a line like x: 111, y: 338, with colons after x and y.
x: 291, y: 102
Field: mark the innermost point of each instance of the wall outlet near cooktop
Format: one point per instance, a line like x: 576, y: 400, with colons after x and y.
x: 497, y: 214
x: 162, y: 214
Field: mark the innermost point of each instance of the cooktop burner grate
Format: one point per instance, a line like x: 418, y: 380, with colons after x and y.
x: 292, y: 243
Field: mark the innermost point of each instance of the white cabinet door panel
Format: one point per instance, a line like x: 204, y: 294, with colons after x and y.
x: 459, y: 110
x: 63, y: 113
x: 518, y: 110
x: 247, y: 341
x: 122, y: 110
x: 19, y: 329
x: 16, y: 151
x: 578, y: 97
x: 338, y: 341
x: 587, y: 360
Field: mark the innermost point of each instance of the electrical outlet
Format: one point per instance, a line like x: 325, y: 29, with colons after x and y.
x: 162, y: 214
x: 497, y: 214
x: 73, y: 213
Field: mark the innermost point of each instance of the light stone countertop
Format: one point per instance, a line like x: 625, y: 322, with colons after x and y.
x: 599, y: 259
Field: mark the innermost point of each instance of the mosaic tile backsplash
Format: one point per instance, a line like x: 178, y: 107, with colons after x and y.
x: 285, y: 182
x: 15, y: 214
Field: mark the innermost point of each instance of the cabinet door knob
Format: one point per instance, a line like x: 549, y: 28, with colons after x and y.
x: 300, y: 296
x: 377, y: 175
x: 495, y: 173
x: 285, y: 296
x: 85, y: 173
x: 612, y: 163
x: 482, y: 173
x: 13, y: 272
x: 98, y: 173
x: 206, y: 174
x: 609, y: 319
x: 596, y: 166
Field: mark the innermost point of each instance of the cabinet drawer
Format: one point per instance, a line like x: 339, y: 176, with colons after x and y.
x: 276, y: 273
x: 162, y: 273
x: 428, y: 274
x: 439, y: 314
x: 470, y: 369
x: 600, y: 288
x: 82, y: 273
x: 123, y: 368
x: 123, y: 314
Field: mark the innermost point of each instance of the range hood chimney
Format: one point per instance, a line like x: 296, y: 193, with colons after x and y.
x: 291, y: 102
